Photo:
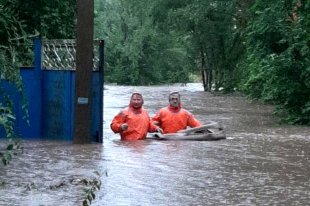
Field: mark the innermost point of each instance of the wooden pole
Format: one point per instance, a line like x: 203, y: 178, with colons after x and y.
x: 84, y: 67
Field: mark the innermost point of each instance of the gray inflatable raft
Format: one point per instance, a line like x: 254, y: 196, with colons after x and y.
x: 209, y: 132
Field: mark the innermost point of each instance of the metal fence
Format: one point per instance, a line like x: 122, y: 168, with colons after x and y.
x: 60, y: 54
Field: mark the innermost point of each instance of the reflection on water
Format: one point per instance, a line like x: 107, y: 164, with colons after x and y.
x: 261, y: 163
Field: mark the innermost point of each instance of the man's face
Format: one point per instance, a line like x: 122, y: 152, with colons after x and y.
x: 136, y: 101
x: 174, y: 100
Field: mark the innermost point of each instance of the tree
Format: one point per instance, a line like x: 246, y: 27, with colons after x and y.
x: 277, y: 58
x: 51, y: 19
x: 140, y: 52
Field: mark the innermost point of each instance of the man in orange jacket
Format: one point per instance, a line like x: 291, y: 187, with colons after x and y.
x: 133, y: 122
x: 174, y: 118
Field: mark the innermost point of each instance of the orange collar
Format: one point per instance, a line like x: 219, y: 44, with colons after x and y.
x: 174, y: 109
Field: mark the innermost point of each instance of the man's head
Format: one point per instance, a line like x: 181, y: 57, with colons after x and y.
x: 174, y: 99
x: 136, y: 100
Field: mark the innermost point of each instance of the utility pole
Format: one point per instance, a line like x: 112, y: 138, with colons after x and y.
x: 84, y: 68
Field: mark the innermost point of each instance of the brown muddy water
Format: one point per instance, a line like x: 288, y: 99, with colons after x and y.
x: 260, y: 162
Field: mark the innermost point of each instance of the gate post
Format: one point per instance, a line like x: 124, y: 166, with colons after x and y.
x: 101, y: 80
x: 37, y: 112
x: 84, y: 68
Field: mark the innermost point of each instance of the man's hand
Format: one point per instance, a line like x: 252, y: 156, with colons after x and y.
x: 159, y: 130
x: 156, y: 123
x: 124, y: 127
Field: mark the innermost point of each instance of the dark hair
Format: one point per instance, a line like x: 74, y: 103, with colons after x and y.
x: 172, y: 93
x: 137, y: 93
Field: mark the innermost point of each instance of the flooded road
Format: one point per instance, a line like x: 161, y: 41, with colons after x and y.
x: 260, y: 162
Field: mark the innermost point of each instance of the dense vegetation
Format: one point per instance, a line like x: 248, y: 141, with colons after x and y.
x: 277, y: 58
x: 164, y: 41
x: 258, y: 47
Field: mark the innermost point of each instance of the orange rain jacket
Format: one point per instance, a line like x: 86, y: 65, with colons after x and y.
x: 172, y: 119
x: 139, y: 123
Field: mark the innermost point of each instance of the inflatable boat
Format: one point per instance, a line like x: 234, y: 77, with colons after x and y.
x: 209, y: 132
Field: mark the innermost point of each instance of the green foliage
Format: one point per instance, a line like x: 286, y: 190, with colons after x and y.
x: 13, y: 146
x: 51, y: 19
x: 213, y: 29
x: 95, y: 185
x: 138, y: 52
x: 278, y: 50
x: 11, y: 28
x: 6, y: 155
x: 151, y: 42
x: 7, y: 120
x: 265, y: 54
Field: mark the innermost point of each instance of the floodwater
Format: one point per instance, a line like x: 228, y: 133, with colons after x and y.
x: 260, y: 162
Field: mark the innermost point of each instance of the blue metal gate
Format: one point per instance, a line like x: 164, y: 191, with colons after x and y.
x: 49, y: 87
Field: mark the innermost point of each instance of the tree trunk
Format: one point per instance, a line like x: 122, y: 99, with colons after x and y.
x: 204, y: 71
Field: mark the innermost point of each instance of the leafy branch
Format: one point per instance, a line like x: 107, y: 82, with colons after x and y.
x: 12, y: 147
x: 90, y: 193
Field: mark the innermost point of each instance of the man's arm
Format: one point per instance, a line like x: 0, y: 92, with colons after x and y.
x: 156, y: 118
x: 193, y: 122
x: 117, y: 122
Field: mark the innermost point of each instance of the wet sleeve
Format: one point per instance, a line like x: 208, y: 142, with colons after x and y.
x: 152, y: 126
x: 156, y: 118
x: 193, y: 122
x: 116, y: 123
